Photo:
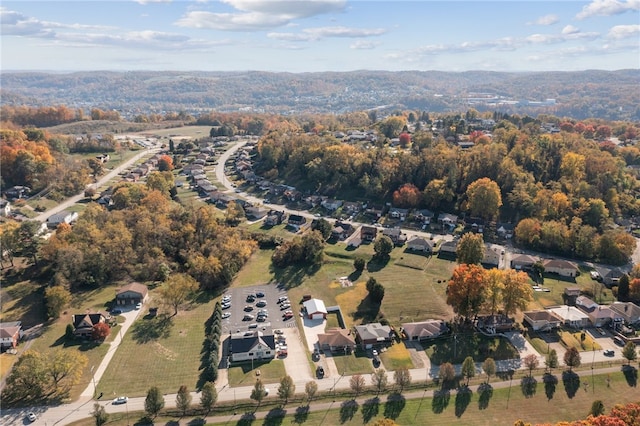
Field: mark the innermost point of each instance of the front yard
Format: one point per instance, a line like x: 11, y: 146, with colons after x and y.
x: 356, y: 363
x: 456, y: 347
x: 245, y: 374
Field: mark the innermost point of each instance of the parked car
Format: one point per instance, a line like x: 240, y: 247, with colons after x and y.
x: 248, y: 308
x: 226, y: 305
x: 261, y: 318
x: 287, y: 316
x: 31, y: 416
x: 285, y: 306
x: 375, y: 352
x: 259, y: 294
x: 247, y: 317
x: 278, y: 331
x: 116, y: 311
x: 282, y: 299
x: 319, y: 372
x: 138, y: 306
x: 251, y: 298
x: 618, y: 341
x: 609, y: 352
x: 120, y: 400
x: 261, y: 303
x: 226, y: 315
x: 254, y: 325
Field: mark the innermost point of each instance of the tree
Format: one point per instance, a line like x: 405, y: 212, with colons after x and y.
x: 408, y: 195
x: 466, y: 290
x: 356, y: 383
x: 404, y: 139
x: 516, y: 291
x: 623, y: 288
x: 258, y: 393
x: 552, y: 359
x: 468, y: 369
x: 323, y: 226
x: 629, y: 352
x: 484, y: 198
x: 489, y: 367
x: 572, y: 358
x: 183, y: 399
x: 165, y: 163
x: 154, y: 402
x: 28, y: 378
x: 56, y: 298
x: 64, y: 368
x: 99, y: 414
x: 100, y: 331
x: 310, y: 388
x: 359, y: 264
x: 208, y: 396
x: 597, y: 408
x: 470, y: 249
x: 531, y: 362
x: 379, y: 379
x: 446, y: 373
x: 287, y: 389
x: 402, y: 378
x: 375, y: 289
x: 383, y: 246
x: 178, y: 290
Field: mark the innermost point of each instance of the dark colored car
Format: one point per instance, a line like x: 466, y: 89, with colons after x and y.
x: 319, y: 372
x: 260, y: 294
x: 609, y: 352
x: 116, y: 311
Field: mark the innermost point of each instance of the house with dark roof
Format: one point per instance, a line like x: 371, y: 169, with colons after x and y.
x: 424, y: 330
x: 252, y: 346
x: 83, y: 323
x: 132, y: 294
x: 372, y: 334
x: 424, y: 216
x: 341, y: 230
x: 368, y: 233
x: 10, y: 334
x: 274, y: 217
x: 629, y: 311
x: 256, y: 212
x: 396, y: 235
x: 610, y: 276
x: 418, y: 243
x: 337, y: 340
x: 398, y: 213
x: 542, y: 320
x: 523, y: 262
x: 448, y: 249
x: 64, y: 216
x: 296, y: 220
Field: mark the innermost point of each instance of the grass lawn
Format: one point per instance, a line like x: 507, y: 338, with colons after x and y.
x: 479, y: 347
x: 540, y: 345
x: 172, y: 348
x: 580, y: 341
x: 244, y: 375
x: 332, y: 321
x: 396, y: 356
x: 355, y: 363
x: 256, y: 270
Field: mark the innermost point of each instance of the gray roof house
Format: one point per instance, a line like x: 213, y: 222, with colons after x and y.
x: 373, y: 334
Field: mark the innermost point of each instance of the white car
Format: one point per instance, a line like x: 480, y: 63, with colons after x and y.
x: 138, y: 306
x: 226, y: 315
x: 375, y: 352
x: 31, y: 416
x: 120, y: 400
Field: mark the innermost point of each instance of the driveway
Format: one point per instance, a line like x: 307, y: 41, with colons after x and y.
x: 297, y: 363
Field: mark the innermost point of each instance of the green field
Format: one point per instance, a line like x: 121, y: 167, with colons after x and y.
x: 245, y: 374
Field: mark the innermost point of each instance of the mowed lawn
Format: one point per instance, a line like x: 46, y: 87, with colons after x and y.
x: 157, y: 352
x: 246, y: 374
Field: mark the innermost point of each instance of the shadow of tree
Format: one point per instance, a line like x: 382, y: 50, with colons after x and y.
x: 485, y: 392
x: 367, y: 310
x: 631, y: 375
x: 370, y: 409
x: 275, y: 417
x: 154, y: 329
x: 440, y: 400
x: 353, y: 277
x: 294, y: 275
x: 348, y: 409
x: 463, y: 399
x: 528, y: 385
x: 247, y: 419
x: 394, y: 405
x: 571, y: 383
x: 172, y: 423
x: 302, y: 414
x: 378, y: 262
x: 550, y: 383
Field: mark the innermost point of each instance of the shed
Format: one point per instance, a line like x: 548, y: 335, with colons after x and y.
x: 132, y: 294
x: 315, y: 309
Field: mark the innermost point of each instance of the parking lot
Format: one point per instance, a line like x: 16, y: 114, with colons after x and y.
x: 266, y: 294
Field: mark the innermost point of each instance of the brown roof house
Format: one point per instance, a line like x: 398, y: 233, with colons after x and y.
x: 83, y: 323
x: 418, y: 243
x: 373, y: 334
x: 628, y: 310
x: 337, y: 340
x: 564, y: 268
x: 424, y: 330
x: 10, y: 334
x: 132, y: 294
x: 542, y: 320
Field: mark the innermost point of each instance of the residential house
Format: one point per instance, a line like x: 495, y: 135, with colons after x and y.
x: 425, y: 330
x: 372, y: 334
x: 523, y: 262
x: 220, y: 199
x: 342, y: 230
x: 16, y: 192
x: 424, y: 216
x: 629, y: 311
x: 315, y: 309
x: 351, y: 207
x: 571, y: 316
x: 132, y: 294
x: 610, y: 276
x: 418, y: 243
x: 256, y: 212
x: 331, y: 204
x: 368, y: 233
x: 293, y: 195
x: 396, y: 235
x: 564, y: 268
x: 447, y: 220
x: 274, y: 217
x: 337, y: 340
x: 83, y: 323
x: 254, y: 346
x: 314, y: 200
x: 65, y: 216
x: 505, y: 230
x: 542, y: 320
x: 5, y: 207
x: 571, y: 294
x: 492, y: 255
x: 10, y: 334
x: 598, y: 315
x: 448, y: 249
x: 475, y: 224
x: 296, y: 220
x: 374, y: 211
x: 398, y: 213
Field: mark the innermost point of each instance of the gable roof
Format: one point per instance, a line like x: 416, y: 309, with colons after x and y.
x: 135, y: 287
x: 247, y: 343
x: 314, y: 306
x: 425, y: 329
x: 373, y: 331
x: 336, y: 337
x: 9, y: 329
x: 86, y: 320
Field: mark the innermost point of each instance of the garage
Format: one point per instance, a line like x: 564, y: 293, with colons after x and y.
x: 315, y: 309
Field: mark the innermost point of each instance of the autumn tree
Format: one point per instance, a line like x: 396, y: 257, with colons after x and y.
x: 286, y: 390
x: 466, y: 290
x: 408, y: 195
x: 208, y: 397
x: 629, y: 352
x: 402, y: 377
x: 356, y: 383
x: 165, y: 163
x: 484, y: 198
x: 379, y: 379
x: 572, y: 358
x: 468, y: 369
x: 489, y: 368
x: 404, y: 139
x: 183, y: 399
x: 470, y: 249
x: 56, y: 298
x: 516, y: 292
x: 100, y: 331
x: 154, y: 401
x: 446, y: 373
x: 178, y: 289
x: 531, y: 362
x: 99, y: 414
x: 310, y: 389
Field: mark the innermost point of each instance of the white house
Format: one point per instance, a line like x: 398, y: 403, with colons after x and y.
x: 418, y: 243
x: 571, y: 316
x: 64, y: 216
x: 315, y: 309
x: 5, y: 207
x: 561, y: 267
x: 255, y: 346
x: 424, y: 330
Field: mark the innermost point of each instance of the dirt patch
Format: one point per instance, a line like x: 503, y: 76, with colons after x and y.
x: 168, y: 354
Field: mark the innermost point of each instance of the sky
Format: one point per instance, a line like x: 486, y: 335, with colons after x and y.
x: 319, y: 35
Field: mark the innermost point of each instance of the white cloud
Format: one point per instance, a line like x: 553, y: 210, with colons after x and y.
x: 624, y: 31
x: 608, y: 8
x: 152, y: 1
x: 314, y: 34
x: 545, y: 20
x: 364, y: 45
x: 294, y: 9
x: 569, y: 33
x: 570, y: 29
